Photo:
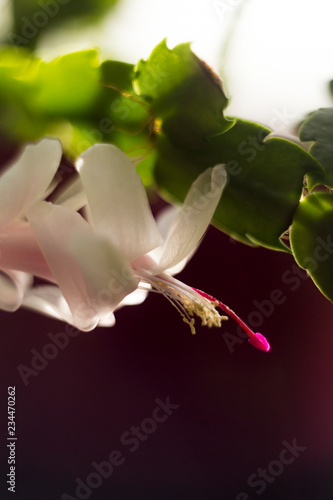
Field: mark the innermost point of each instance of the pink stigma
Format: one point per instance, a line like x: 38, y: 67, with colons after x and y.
x: 259, y: 342
x: 256, y: 339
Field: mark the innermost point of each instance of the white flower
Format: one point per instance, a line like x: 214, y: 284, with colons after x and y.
x: 98, y: 264
x: 115, y: 256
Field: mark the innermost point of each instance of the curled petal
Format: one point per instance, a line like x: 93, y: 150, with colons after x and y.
x: 91, y: 274
x: 135, y: 298
x: 164, y: 220
x: 48, y: 300
x: 26, y: 181
x: 117, y: 200
x: 194, y: 217
x: 13, y: 285
x: 164, y: 224
x: 107, y: 321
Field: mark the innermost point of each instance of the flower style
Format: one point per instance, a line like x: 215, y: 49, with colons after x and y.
x: 117, y: 254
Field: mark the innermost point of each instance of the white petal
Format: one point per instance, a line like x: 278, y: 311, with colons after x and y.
x: 107, y: 274
x: 26, y: 181
x: 48, y: 300
x: 13, y: 285
x: 177, y: 268
x: 73, y: 196
x: 117, y: 200
x: 164, y: 220
x: 91, y: 274
x: 107, y: 321
x: 194, y: 217
x: 19, y: 251
x: 134, y: 298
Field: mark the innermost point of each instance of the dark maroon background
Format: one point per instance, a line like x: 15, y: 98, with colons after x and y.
x: 235, y: 409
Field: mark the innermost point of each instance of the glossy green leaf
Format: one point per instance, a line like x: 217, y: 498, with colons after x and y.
x: 318, y: 127
x: 129, y: 114
x: 65, y: 98
x: 118, y: 75
x: 311, y: 238
x: 184, y: 94
x: 265, y: 180
x: 69, y: 85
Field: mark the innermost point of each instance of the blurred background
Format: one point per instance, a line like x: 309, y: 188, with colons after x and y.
x: 238, y: 407
x: 271, y: 55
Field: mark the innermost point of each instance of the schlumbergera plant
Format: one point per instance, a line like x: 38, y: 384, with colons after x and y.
x: 167, y: 113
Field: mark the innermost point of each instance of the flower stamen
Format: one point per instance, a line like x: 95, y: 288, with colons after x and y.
x: 191, y: 302
x: 188, y: 302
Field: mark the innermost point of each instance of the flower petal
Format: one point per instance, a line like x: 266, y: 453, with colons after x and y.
x: 19, y: 251
x: 91, y: 274
x: 134, y: 298
x: 164, y: 220
x: 13, y: 285
x: 194, y: 217
x: 48, y: 300
x: 117, y: 200
x: 107, y: 321
x: 26, y: 181
x: 72, y: 196
x: 108, y: 276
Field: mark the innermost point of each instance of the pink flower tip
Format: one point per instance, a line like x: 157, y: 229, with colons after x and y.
x: 259, y: 342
